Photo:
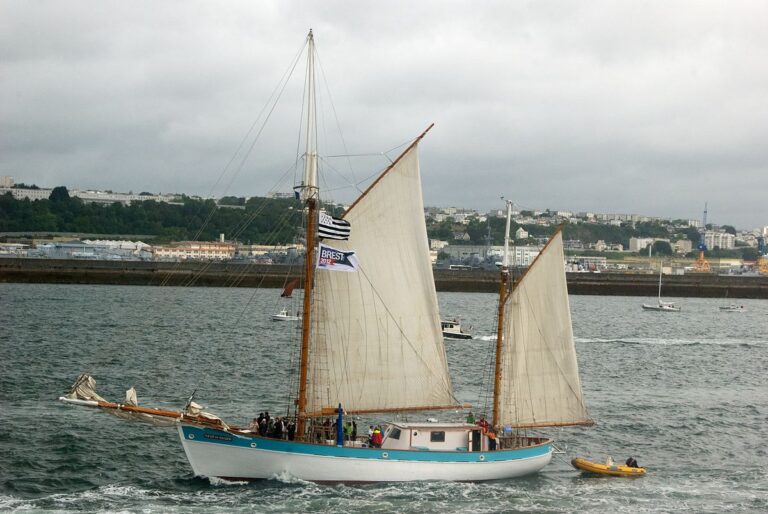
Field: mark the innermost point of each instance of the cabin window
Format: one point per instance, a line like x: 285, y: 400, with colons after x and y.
x: 395, y: 434
x: 437, y: 437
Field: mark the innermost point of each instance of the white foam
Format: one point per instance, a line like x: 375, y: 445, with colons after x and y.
x: 218, y: 482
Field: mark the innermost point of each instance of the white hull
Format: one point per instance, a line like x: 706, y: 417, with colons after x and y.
x: 667, y: 308
x: 278, y: 317
x: 454, y: 335
x: 238, y: 459
x: 284, y: 316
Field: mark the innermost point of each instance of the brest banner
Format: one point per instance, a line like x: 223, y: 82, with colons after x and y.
x: 336, y: 260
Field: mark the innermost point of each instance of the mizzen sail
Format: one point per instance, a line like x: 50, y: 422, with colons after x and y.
x: 376, y: 343
x: 540, y: 383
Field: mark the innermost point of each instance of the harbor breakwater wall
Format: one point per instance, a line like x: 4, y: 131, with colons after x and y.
x: 220, y: 274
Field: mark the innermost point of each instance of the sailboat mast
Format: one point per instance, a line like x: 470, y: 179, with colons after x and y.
x: 660, y: 269
x: 309, y: 193
x: 503, y: 286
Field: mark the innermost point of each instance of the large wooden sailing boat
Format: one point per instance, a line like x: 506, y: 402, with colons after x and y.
x: 372, y: 344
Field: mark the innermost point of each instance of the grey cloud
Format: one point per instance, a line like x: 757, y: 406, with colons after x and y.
x: 645, y: 107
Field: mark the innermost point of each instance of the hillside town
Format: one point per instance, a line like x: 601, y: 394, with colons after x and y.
x: 460, y: 238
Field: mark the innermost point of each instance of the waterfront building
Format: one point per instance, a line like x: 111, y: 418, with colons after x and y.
x: 521, y: 233
x: 269, y: 250
x: 477, y: 254
x: 92, y: 250
x: 195, y: 250
x: 13, y: 249
x: 586, y: 263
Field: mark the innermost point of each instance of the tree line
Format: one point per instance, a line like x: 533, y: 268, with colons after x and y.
x: 258, y: 221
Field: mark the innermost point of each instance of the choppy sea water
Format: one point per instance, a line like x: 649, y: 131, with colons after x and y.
x: 684, y: 392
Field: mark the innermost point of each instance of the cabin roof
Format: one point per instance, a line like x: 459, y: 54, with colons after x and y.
x: 432, y: 426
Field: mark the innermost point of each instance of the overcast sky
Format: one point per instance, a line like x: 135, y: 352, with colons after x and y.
x: 605, y: 106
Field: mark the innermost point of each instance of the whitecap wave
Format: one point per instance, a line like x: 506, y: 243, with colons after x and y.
x: 8, y: 503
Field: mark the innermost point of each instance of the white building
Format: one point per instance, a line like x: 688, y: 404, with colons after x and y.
x: 523, y: 255
x: 437, y: 244
x: 22, y: 193
x: 586, y: 263
x: 262, y: 250
x: 682, y: 246
x: 521, y: 233
x: 719, y: 239
x: 637, y: 244
x: 475, y: 254
x: 124, y: 198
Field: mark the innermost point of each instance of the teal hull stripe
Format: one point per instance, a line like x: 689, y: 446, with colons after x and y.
x: 212, y: 436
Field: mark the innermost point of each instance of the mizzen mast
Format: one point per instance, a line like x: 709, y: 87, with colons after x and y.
x: 503, y: 287
x: 309, y: 194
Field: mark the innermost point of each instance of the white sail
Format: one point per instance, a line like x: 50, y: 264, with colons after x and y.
x: 540, y: 383
x: 376, y: 343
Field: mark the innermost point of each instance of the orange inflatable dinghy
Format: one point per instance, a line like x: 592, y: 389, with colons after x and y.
x: 616, y: 470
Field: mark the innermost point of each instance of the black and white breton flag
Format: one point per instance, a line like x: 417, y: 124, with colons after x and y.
x: 333, y: 228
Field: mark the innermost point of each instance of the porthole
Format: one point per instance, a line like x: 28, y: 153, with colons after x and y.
x: 482, y: 457
x: 253, y: 445
x: 191, y: 436
x: 385, y: 455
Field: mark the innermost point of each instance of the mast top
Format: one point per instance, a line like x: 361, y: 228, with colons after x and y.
x: 505, y: 262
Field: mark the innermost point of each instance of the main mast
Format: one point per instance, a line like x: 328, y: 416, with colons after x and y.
x: 309, y: 194
x: 503, y: 286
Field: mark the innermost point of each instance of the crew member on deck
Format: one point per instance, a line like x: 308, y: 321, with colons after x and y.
x: 491, y: 440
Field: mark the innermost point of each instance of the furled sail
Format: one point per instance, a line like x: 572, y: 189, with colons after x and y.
x: 540, y: 383
x: 376, y: 343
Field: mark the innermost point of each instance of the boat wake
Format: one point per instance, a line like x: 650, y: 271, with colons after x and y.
x: 673, y: 342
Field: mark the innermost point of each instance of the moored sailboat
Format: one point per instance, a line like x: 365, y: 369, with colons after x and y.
x: 662, y: 305
x: 372, y: 344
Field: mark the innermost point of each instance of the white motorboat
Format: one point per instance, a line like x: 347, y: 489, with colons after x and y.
x: 452, y: 330
x: 732, y: 308
x: 284, y: 316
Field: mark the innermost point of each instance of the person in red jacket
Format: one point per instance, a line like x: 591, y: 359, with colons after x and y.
x: 377, y: 438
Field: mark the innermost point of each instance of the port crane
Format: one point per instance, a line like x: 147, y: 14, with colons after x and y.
x: 702, y: 265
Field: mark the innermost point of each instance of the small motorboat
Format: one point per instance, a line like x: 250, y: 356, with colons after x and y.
x: 732, y: 308
x: 284, y: 316
x: 614, y: 470
x: 452, y: 330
